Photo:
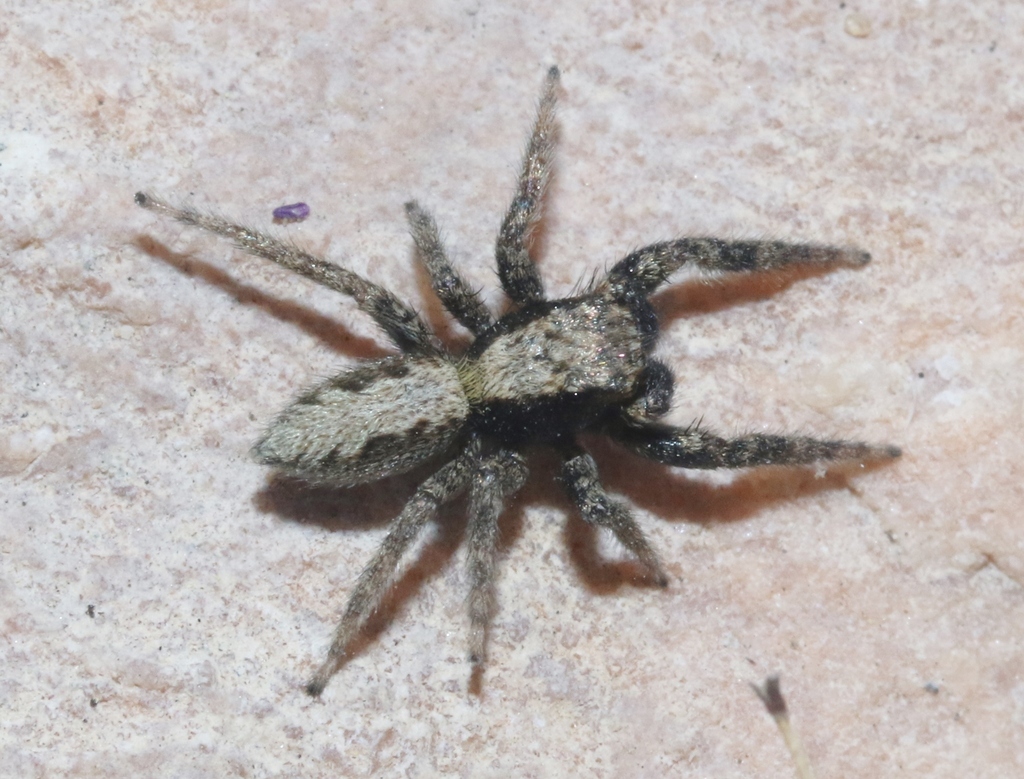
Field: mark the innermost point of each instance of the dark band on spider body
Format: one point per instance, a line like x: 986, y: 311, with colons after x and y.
x: 542, y: 373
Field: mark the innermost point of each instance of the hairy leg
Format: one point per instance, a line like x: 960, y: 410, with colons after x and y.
x: 579, y: 474
x: 460, y: 301
x: 497, y: 477
x: 399, y: 321
x: 375, y: 579
x: 518, y: 274
x: 695, y: 447
x: 643, y: 271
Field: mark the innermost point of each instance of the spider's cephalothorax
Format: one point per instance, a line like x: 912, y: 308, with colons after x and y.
x: 540, y: 374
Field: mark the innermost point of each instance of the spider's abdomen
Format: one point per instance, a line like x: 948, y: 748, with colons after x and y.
x: 553, y: 367
x: 381, y: 418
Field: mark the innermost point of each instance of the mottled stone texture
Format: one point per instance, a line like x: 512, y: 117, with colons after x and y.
x: 140, y: 362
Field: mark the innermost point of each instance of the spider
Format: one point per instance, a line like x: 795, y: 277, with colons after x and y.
x: 541, y: 373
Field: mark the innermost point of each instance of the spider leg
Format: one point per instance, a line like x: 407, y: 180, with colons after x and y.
x: 579, y: 474
x: 399, y: 321
x: 461, y: 302
x: 643, y: 271
x: 518, y: 274
x: 656, y: 397
x: 496, y: 478
x: 695, y: 447
x: 377, y: 576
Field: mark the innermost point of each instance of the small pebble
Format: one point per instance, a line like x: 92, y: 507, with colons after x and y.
x: 295, y: 212
x: 857, y: 25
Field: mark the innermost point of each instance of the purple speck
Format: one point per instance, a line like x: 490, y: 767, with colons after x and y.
x: 295, y: 212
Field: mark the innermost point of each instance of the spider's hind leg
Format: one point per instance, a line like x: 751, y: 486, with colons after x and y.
x: 579, y: 474
x: 496, y: 478
x: 377, y: 576
x: 518, y: 274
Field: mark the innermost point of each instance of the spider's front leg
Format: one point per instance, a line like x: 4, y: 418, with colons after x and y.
x: 497, y: 477
x: 696, y: 447
x: 518, y: 274
x: 643, y: 271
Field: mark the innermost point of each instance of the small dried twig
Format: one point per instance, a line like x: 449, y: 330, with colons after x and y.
x: 771, y: 697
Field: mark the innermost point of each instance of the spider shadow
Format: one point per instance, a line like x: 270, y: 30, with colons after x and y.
x: 329, y: 331
x: 700, y: 295
x: 666, y: 492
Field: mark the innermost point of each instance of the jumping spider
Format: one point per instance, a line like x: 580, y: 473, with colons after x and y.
x: 539, y: 374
